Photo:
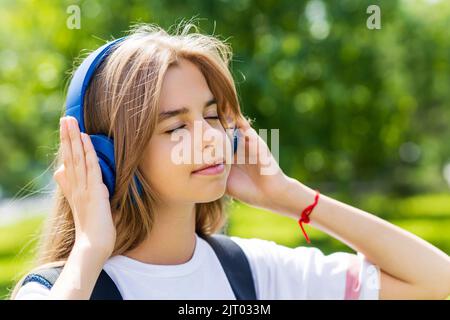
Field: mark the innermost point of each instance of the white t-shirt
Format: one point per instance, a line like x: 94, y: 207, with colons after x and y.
x: 279, y: 272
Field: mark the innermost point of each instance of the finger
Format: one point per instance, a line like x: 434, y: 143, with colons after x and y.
x: 243, y: 123
x: 94, y: 173
x: 60, y: 178
x: 78, y: 158
x: 66, y: 151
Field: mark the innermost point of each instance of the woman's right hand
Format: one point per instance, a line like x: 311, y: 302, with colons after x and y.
x: 80, y: 180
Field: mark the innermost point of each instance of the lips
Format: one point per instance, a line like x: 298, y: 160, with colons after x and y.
x: 207, y: 166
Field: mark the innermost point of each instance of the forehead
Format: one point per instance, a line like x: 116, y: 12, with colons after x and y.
x: 183, y: 85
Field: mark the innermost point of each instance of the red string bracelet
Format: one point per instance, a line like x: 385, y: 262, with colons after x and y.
x: 304, y: 217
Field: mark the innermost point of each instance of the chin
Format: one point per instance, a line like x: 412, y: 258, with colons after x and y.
x: 210, y: 194
x: 208, y: 189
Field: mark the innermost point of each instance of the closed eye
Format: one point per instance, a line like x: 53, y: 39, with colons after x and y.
x: 170, y: 131
x: 181, y: 127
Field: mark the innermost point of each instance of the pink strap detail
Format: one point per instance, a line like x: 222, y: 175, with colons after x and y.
x: 352, y: 284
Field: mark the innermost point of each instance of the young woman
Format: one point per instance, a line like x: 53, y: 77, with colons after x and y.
x: 150, y: 244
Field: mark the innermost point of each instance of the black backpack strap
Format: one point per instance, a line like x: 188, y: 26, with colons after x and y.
x: 104, y: 289
x: 235, y: 265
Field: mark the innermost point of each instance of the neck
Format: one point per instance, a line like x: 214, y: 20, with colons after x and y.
x: 172, y: 238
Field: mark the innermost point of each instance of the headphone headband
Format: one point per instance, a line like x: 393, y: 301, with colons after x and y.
x: 81, y: 79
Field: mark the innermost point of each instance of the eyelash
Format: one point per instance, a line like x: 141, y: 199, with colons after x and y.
x: 170, y: 131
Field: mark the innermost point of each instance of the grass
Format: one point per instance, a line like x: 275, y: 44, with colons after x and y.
x: 427, y: 216
x: 17, y: 246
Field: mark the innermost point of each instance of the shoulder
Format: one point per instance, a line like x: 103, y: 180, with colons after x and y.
x: 268, y: 251
x: 277, y: 269
x: 32, y: 291
x: 282, y: 272
x: 38, y: 282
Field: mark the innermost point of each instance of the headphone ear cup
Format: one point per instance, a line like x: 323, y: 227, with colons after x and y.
x: 104, y: 147
x: 235, y: 139
x: 138, y: 185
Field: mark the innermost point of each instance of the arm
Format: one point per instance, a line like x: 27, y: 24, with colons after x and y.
x: 411, y: 268
x: 80, y: 180
x: 79, y: 275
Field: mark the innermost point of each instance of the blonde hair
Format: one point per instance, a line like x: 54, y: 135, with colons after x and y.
x: 122, y: 102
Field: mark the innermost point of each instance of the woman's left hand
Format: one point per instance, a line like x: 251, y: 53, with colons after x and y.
x: 259, y: 179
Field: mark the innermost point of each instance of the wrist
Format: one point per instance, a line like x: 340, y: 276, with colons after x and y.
x: 86, y: 247
x: 294, y: 197
x: 80, y: 273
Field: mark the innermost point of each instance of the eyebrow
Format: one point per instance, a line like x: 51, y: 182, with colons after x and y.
x: 172, y: 113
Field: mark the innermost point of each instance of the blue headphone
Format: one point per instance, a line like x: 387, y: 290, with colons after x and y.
x: 103, y: 145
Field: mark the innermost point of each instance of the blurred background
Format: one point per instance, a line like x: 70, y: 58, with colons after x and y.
x: 363, y: 113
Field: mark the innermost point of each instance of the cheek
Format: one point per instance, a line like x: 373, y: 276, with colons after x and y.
x: 165, y: 175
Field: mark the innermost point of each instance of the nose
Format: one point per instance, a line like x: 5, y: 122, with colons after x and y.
x: 208, y: 142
